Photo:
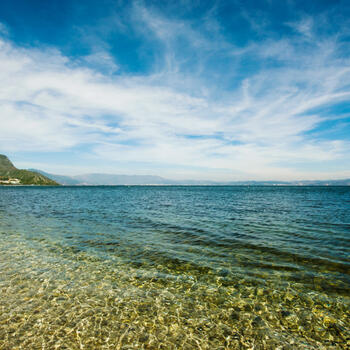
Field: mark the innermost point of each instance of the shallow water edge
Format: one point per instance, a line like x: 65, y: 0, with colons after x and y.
x: 157, y: 270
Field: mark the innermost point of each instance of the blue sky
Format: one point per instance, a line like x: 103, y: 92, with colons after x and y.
x: 221, y: 90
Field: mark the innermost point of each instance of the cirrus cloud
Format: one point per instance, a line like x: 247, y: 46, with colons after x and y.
x: 265, y: 125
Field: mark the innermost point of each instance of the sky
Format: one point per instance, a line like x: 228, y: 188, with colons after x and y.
x: 207, y: 90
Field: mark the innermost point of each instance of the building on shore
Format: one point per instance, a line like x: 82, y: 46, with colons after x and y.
x: 10, y: 182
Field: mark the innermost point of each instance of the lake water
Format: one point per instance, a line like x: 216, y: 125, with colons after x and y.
x: 157, y: 267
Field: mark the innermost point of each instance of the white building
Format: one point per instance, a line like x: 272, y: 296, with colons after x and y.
x: 10, y: 182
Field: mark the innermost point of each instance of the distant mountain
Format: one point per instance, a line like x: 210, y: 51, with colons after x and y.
x: 107, y: 179
x: 61, y: 179
x: 110, y: 179
x: 10, y: 175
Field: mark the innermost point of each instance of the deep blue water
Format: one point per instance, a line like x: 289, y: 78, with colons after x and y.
x: 248, y: 238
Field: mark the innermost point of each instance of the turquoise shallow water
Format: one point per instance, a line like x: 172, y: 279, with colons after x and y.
x: 150, y: 267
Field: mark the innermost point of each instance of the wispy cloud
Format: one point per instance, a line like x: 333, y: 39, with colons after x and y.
x: 253, y: 126
x: 303, y: 26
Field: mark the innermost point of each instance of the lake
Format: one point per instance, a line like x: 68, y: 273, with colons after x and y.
x: 175, y: 267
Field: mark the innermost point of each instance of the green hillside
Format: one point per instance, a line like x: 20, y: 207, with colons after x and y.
x: 8, y: 171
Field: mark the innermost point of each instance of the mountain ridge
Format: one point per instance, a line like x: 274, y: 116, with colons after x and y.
x: 100, y: 179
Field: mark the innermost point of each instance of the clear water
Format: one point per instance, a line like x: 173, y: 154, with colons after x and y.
x: 175, y: 267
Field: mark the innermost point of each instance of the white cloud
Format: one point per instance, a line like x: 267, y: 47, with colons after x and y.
x: 51, y: 103
x: 303, y: 26
x: 101, y: 60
